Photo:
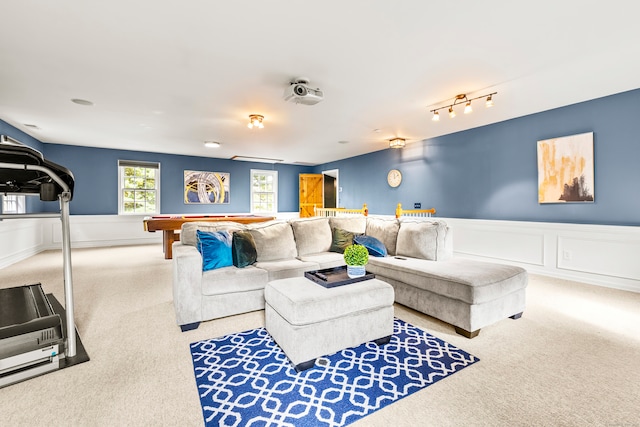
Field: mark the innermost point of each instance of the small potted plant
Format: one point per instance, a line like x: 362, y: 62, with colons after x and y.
x: 356, y: 257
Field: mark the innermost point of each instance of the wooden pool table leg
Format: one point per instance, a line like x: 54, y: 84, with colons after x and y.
x: 168, y: 237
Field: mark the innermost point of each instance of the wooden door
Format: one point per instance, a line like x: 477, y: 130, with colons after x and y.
x: 310, y: 193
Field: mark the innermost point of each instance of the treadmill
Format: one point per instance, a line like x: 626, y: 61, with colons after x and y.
x: 37, y: 335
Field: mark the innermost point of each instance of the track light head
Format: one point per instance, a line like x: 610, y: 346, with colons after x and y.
x: 489, y: 102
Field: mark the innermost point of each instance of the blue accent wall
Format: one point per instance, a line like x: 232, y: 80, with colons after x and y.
x: 483, y: 173
x: 491, y: 172
x: 96, y: 174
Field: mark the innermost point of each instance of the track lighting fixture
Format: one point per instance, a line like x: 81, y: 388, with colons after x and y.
x: 255, y: 120
x: 467, y: 108
x: 397, y: 143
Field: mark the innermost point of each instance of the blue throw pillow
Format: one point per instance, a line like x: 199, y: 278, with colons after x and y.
x: 215, y: 248
x: 373, y: 245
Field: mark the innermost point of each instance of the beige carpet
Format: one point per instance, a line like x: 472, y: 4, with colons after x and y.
x: 573, y: 359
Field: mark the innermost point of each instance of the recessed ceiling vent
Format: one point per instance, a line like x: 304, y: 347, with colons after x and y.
x: 256, y: 159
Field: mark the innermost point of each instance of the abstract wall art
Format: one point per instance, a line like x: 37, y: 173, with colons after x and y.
x: 206, y: 187
x: 565, y: 169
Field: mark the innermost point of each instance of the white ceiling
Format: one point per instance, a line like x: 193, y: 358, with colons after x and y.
x: 167, y: 75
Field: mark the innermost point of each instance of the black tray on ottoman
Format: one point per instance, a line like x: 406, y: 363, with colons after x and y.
x: 336, y: 276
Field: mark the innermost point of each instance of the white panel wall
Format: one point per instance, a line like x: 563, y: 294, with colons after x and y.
x: 19, y: 239
x: 100, y: 230
x: 597, y: 254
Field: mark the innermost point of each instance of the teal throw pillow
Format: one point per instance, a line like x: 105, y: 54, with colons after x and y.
x: 215, y: 247
x: 373, y: 245
x: 341, y: 239
x: 243, y: 249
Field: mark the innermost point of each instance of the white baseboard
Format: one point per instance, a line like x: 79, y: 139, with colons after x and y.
x: 595, y: 254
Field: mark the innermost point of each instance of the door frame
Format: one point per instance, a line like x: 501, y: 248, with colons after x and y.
x: 335, y: 173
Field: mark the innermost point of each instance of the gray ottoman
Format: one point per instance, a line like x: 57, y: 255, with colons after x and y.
x: 308, y: 321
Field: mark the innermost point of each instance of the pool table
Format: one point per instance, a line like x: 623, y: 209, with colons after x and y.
x: 170, y: 225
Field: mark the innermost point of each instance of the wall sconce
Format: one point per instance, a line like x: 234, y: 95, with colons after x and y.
x: 255, y: 120
x: 467, y: 108
x: 397, y: 143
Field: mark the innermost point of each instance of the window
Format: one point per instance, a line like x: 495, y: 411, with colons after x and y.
x: 139, y: 187
x: 13, y: 204
x: 264, y: 191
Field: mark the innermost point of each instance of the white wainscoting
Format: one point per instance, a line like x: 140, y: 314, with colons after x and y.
x: 21, y: 238
x: 99, y: 230
x: 597, y: 254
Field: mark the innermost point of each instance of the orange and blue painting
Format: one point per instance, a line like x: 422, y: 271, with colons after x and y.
x: 565, y: 169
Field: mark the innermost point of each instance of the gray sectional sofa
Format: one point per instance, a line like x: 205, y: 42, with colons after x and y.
x: 420, y: 266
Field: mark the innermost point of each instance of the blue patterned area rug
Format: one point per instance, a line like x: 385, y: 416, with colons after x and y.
x: 245, y: 379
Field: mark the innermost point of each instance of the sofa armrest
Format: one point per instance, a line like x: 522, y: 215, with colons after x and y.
x: 187, y: 283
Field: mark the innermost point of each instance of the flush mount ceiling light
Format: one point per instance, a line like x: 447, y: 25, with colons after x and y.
x: 82, y: 102
x: 467, y: 107
x: 211, y: 144
x: 255, y: 120
x: 397, y: 143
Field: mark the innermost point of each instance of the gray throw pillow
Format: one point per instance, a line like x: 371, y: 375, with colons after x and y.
x: 423, y: 240
x: 274, y: 241
x: 312, y: 235
x: 354, y: 224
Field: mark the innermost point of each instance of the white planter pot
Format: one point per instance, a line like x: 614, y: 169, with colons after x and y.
x: 354, y: 271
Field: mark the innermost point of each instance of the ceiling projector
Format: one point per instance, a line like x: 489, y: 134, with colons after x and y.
x: 299, y: 92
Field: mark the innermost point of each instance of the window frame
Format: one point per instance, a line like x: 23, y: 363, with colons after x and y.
x: 19, y: 200
x: 122, y: 164
x: 264, y: 172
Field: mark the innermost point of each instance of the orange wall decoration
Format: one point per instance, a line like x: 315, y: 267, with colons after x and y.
x: 565, y: 169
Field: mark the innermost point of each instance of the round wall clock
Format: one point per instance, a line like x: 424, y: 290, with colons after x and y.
x: 394, y: 177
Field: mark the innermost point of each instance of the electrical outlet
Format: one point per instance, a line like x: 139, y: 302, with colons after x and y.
x: 567, y: 255
x: 417, y: 206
